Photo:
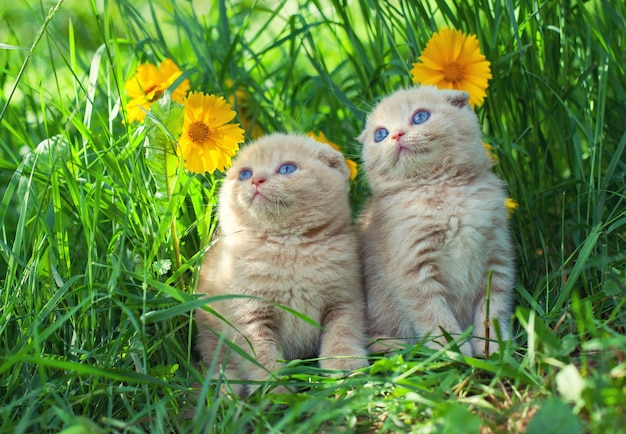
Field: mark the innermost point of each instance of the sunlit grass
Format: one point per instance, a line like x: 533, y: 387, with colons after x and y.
x: 95, y: 310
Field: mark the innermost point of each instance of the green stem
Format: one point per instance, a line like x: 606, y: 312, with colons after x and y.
x: 173, y: 224
x: 487, y: 322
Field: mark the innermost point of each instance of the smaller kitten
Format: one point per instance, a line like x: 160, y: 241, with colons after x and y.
x: 286, y: 238
x: 436, y: 223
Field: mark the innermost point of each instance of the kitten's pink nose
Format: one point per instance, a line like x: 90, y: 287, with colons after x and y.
x: 397, y: 135
x: 257, y: 181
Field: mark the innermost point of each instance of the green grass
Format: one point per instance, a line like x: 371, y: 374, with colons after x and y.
x: 95, y: 309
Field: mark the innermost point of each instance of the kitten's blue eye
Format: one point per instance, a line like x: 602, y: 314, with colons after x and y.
x: 420, y: 117
x: 380, y: 134
x: 287, y: 168
x: 245, y: 174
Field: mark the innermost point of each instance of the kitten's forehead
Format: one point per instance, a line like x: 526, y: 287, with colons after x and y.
x: 407, y: 100
x: 275, y: 148
x: 397, y: 109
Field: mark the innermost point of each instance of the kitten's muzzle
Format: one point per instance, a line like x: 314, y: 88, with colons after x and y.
x: 256, y: 181
x: 398, y: 135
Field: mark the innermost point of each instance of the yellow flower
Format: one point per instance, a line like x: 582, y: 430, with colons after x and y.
x: 245, y: 105
x: 492, y: 155
x: 452, y: 60
x: 208, y: 141
x: 148, y: 85
x: 511, y: 205
x: 321, y: 137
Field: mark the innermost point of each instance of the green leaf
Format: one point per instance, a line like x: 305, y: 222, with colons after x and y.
x: 164, y: 125
x: 540, y: 334
x: 457, y: 419
x: 554, y: 417
x: 570, y: 383
x: 162, y: 266
x: 86, y: 370
x: 81, y: 425
x: 388, y: 364
x: 11, y: 47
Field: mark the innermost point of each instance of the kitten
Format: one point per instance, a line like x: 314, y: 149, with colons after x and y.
x: 436, y: 223
x: 286, y: 237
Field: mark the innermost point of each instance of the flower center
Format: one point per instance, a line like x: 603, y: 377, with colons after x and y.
x: 158, y: 94
x: 453, y: 72
x: 198, y: 132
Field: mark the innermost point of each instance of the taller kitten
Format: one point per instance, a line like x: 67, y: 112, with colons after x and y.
x: 286, y: 237
x: 436, y: 223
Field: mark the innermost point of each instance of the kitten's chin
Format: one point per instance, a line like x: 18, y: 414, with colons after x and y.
x: 396, y: 175
x: 263, y: 208
x: 258, y: 199
x: 405, y: 149
x: 408, y: 163
x: 402, y: 152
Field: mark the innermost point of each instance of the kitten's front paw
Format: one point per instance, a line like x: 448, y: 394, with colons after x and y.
x: 466, y: 349
x: 386, y: 345
x: 479, y: 346
x: 343, y: 364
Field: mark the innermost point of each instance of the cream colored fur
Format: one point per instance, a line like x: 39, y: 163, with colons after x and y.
x: 293, y: 245
x: 435, y: 226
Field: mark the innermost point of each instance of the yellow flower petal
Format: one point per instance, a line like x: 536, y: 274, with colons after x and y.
x: 148, y: 85
x: 511, y: 205
x: 476, y: 91
x: 493, y: 157
x: 213, y: 109
x: 352, y: 166
x: 246, y: 110
x: 135, y: 108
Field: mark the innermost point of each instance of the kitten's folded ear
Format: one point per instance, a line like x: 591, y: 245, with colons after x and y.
x: 457, y: 98
x: 361, y: 137
x: 334, y: 159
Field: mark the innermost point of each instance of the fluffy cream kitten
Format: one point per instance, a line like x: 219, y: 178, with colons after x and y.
x: 436, y: 225
x: 286, y: 237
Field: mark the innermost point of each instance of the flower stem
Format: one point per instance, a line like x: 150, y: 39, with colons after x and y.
x: 173, y: 224
x: 487, y: 321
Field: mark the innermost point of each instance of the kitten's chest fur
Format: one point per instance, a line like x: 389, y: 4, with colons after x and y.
x: 285, y: 269
x: 306, y: 277
x: 451, y: 224
x: 288, y: 270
